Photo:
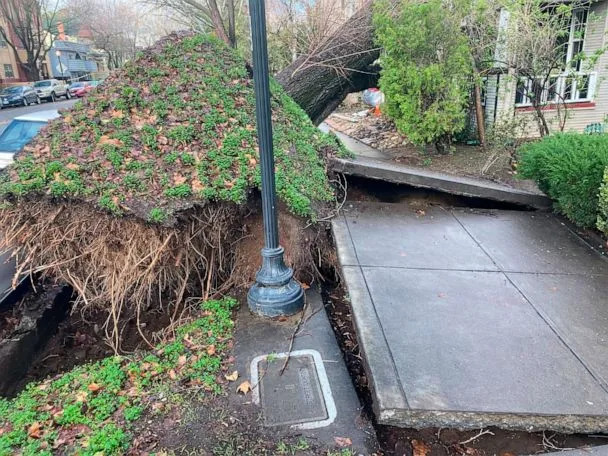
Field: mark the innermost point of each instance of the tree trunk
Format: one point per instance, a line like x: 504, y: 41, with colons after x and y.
x: 218, y: 22
x: 479, y: 117
x: 342, y: 64
x: 231, y: 23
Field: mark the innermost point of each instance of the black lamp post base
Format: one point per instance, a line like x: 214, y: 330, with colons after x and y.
x: 275, y: 292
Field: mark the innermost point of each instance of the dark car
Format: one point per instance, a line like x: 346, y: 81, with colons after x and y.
x: 18, y: 96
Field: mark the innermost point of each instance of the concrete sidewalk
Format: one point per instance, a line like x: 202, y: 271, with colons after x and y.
x: 376, y: 164
x: 473, y: 318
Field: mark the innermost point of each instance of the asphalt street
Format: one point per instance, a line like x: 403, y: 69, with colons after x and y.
x: 8, y: 114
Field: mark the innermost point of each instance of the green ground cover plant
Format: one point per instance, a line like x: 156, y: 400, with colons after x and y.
x: 175, y: 127
x: 570, y: 168
x: 93, y: 409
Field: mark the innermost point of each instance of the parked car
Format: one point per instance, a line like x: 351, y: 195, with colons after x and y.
x: 18, y: 96
x: 20, y: 131
x: 51, y: 89
x: 80, y: 88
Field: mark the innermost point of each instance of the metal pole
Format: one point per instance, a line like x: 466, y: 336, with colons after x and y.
x: 275, y: 293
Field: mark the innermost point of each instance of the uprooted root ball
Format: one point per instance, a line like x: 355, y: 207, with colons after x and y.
x: 117, y: 262
x: 125, y: 266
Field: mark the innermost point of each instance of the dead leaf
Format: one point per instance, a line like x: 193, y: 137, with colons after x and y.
x: 105, y: 139
x: 182, y: 360
x: 420, y: 448
x: 211, y: 350
x: 232, y: 377
x: 178, y: 179
x: 343, y: 442
x: 72, y: 166
x: 81, y: 396
x: 34, y: 431
x: 244, y: 387
x: 172, y: 374
x: 197, y: 185
x: 93, y: 387
x: 117, y: 114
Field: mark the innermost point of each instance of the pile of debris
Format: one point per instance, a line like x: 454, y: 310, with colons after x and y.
x: 377, y: 131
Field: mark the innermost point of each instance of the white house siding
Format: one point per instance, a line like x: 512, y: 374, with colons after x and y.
x: 491, y: 89
x: 578, y: 118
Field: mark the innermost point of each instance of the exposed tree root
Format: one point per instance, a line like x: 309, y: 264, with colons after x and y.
x: 125, y: 266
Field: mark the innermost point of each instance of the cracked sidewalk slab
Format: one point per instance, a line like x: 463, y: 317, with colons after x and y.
x: 469, y: 319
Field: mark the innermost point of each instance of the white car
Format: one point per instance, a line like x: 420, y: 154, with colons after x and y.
x: 51, y: 89
x: 20, y: 131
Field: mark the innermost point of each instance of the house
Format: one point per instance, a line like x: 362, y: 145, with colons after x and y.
x: 71, y: 60
x: 575, y: 96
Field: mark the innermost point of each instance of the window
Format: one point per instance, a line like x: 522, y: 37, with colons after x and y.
x: 577, y: 38
x: 3, y: 42
x: 568, y: 88
x: 8, y: 71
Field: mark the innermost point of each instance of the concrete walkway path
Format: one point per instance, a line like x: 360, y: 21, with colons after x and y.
x: 472, y: 318
x: 376, y: 164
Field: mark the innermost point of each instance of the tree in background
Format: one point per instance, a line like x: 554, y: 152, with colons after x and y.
x: 301, y: 27
x: 219, y: 16
x: 28, y: 26
x: 426, y: 68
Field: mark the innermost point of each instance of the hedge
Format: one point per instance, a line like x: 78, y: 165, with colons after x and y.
x: 569, y: 168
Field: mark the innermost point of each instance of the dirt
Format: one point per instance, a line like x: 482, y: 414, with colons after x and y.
x: 9, y: 320
x: 80, y: 339
x: 492, y: 163
x: 215, y: 426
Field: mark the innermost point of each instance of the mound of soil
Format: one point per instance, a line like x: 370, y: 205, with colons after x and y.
x: 174, y: 128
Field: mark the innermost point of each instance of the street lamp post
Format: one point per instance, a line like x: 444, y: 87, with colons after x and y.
x: 275, y: 292
x: 58, y: 54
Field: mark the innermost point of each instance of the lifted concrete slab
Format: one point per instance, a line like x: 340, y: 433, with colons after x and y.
x: 452, y: 338
x: 374, y: 168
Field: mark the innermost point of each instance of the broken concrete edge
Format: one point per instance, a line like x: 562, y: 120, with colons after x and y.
x: 420, y: 419
x: 469, y: 187
x: 36, y: 327
x: 375, y: 352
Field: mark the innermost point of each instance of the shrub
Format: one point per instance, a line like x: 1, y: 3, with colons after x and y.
x: 426, y: 68
x: 568, y: 167
x: 602, y: 219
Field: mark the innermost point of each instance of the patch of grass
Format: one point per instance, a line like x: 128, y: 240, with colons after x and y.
x: 157, y: 215
x: 92, y: 409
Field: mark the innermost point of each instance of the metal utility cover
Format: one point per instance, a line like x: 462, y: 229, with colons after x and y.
x: 294, y: 397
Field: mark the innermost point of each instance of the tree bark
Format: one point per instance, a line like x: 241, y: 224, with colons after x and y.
x: 218, y: 22
x: 231, y: 23
x: 320, y: 80
x: 479, y: 117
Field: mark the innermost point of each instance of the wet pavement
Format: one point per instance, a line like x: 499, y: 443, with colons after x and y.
x: 471, y: 318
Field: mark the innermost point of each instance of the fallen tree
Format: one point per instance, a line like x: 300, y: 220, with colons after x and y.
x: 342, y: 64
x: 147, y: 191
